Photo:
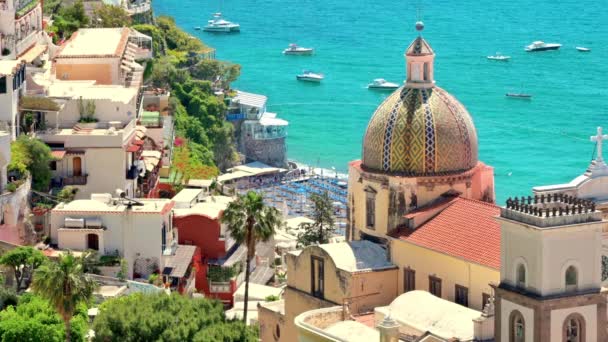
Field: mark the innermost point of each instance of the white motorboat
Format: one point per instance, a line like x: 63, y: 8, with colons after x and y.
x: 499, y: 57
x: 294, y: 49
x: 542, y: 46
x: 197, y: 28
x: 309, y: 76
x: 583, y: 49
x: 219, y: 24
x: 382, y: 84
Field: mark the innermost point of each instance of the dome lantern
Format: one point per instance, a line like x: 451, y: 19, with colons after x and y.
x: 419, y: 59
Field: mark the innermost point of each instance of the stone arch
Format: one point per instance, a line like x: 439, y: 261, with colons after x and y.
x: 518, y: 263
x: 574, y: 321
x: 517, y: 327
x: 568, y: 266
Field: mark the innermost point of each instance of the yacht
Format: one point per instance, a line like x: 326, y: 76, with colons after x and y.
x: 309, y: 76
x: 219, y: 24
x: 294, y: 49
x: 583, y: 49
x: 499, y: 57
x: 542, y: 46
x: 382, y: 84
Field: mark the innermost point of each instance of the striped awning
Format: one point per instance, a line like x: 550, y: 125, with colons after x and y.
x: 58, y: 154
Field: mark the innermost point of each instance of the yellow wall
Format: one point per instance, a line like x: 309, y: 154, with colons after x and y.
x: 367, y: 289
x: 452, y: 271
x: 102, y: 73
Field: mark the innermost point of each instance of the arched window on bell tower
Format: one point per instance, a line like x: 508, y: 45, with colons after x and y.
x: 571, y: 278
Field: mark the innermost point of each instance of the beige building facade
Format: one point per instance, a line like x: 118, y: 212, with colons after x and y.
x: 139, y: 231
x: 550, y: 288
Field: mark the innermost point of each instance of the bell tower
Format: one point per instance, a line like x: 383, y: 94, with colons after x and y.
x: 550, y: 273
x: 419, y: 58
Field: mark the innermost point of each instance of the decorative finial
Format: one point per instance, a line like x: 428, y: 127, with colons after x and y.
x: 419, y: 26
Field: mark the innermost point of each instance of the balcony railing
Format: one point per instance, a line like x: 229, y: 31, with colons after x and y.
x: 75, y: 180
x: 219, y: 287
x: 26, y: 42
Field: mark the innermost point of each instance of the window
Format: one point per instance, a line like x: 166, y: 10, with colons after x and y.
x: 571, y: 278
x: 517, y: 328
x: 435, y: 286
x: 3, y: 85
x: 574, y: 329
x: 462, y: 295
x: 409, y: 280
x: 164, y: 237
x: 485, y: 298
x: 317, y: 276
x: 370, y: 208
x: 521, y: 275
x: 53, y: 165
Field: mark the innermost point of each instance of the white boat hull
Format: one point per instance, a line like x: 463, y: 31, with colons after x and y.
x: 222, y: 29
x: 308, y: 79
x: 383, y: 87
x: 299, y: 52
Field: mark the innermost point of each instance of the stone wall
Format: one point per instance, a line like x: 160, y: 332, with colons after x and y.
x: 270, y: 151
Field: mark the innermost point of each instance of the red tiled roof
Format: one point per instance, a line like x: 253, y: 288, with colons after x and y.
x: 58, y: 154
x: 133, y: 148
x: 466, y: 229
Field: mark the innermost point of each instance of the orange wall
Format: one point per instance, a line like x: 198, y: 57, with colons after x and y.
x: 102, y: 73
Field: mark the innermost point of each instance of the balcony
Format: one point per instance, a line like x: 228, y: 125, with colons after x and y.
x: 75, y: 180
x: 26, y: 42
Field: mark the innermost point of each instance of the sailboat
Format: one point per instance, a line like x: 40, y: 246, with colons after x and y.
x: 520, y: 95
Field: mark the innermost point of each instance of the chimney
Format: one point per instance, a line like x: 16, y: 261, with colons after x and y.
x: 389, y: 330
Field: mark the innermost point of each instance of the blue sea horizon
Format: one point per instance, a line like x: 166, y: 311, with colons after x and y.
x: 528, y: 142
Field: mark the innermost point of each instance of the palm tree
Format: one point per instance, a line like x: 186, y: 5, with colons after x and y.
x: 64, y: 285
x: 249, y: 221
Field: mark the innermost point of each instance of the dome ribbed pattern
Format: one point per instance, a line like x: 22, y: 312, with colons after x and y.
x: 420, y: 132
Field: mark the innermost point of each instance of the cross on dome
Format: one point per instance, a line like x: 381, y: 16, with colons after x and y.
x: 599, y: 138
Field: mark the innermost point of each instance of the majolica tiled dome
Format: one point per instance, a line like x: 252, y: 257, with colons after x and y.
x: 420, y: 131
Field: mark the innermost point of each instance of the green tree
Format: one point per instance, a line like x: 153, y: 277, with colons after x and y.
x: 64, y: 285
x: 23, y: 260
x: 250, y: 221
x: 110, y: 16
x: 34, y: 319
x: 33, y: 155
x: 168, y: 318
x: 322, y: 228
x: 69, y: 19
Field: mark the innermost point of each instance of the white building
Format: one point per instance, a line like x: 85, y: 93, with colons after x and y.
x: 12, y: 87
x: 261, y: 134
x: 20, y: 27
x: 93, y: 135
x: 550, y: 274
x: 139, y: 231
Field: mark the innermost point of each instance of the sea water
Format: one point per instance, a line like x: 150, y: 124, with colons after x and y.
x: 528, y: 142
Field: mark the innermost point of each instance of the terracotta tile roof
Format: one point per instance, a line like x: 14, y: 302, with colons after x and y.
x: 467, y: 229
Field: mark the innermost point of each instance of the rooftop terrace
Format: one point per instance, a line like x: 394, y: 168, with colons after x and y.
x: 96, y: 42
x: 551, y: 210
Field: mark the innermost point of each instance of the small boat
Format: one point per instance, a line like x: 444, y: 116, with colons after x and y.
x: 382, y: 84
x: 542, y: 46
x: 197, y: 28
x: 219, y: 24
x: 309, y: 76
x: 519, y: 95
x: 294, y: 49
x: 499, y: 57
x: 583, y: 49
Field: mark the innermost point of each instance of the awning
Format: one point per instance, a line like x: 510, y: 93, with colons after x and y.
x: 125, y: 68
x: 133, y: 148
x: 33, y: 53
x: 177, y: 265
x: 138, y: 142
x: 58, y: 154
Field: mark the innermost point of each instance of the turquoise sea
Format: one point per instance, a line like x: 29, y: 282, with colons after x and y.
x: 537, y: 142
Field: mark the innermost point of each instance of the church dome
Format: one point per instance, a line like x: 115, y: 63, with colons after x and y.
x: 420, y: 129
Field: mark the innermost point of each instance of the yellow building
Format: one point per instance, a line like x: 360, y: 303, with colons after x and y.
x: 356, y: 275
x: 419, y: 192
